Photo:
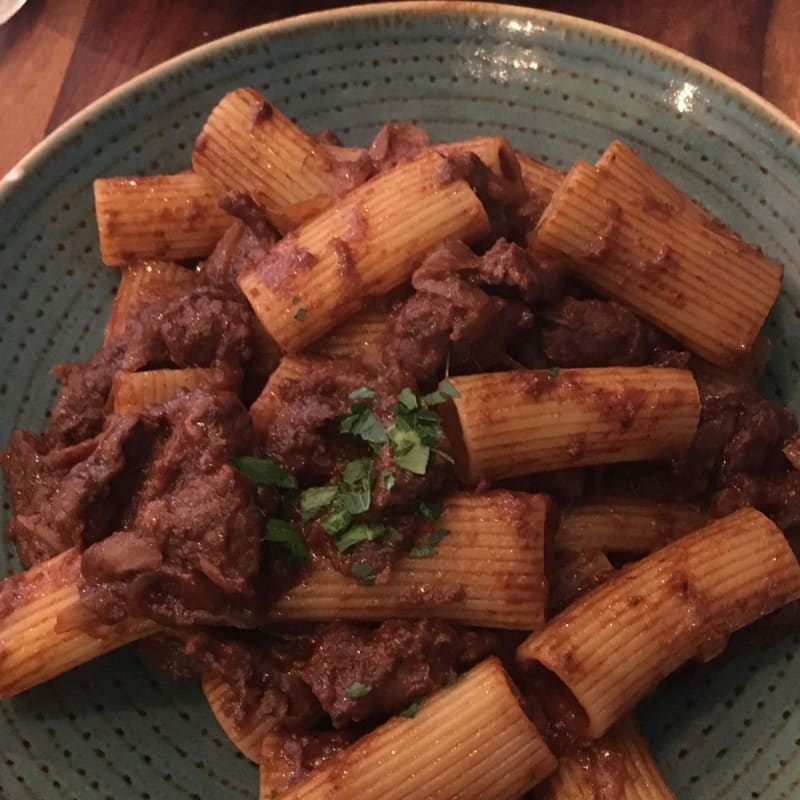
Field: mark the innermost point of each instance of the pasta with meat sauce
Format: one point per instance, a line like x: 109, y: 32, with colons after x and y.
x: 421, y: 450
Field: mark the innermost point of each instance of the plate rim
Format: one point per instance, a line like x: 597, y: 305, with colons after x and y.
x: 415, y: 9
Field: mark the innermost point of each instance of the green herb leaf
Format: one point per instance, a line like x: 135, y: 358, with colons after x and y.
x: 444, y: 392
x: 300, y: 315
x: 411, y: 711
x: 337, y: 522
x: 363, y: 572
x: 428, y: 549
x: 265, y: 472
x: 363, y: 532
x: 315, y: 500
x: 553, y: 372
x: 357, y: 471
x: 362, y: 422
x: 407, y: 399
x: 388, y: 479
x: 279, y: 531
x: 414, y: 460
x: 355, y: 495
x: 356, y: 502
x: 357, y: 689
x: 362, y: 393
x: 430, y: 509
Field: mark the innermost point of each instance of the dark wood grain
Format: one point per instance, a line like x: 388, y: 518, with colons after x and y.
x: 57, y: 56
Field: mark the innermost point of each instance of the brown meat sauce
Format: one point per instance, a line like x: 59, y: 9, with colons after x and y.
x: 161, y: 524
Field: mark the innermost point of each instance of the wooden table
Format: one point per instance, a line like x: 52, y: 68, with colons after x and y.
x: 58, y: 55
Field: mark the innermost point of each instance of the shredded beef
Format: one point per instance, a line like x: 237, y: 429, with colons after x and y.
x: 237, y: 246
x: 190, y: 550
x: 739, y: 433
x: 395, y: 143
x: 400, y: 661
x: 242, y: 206
x: 460, y: 308
x: 598, y: 333
x: 303, y: 434
x: 205, y: 327
x: 72, y: 495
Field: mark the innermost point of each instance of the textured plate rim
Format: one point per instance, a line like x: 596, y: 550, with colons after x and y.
x: 415, y: 9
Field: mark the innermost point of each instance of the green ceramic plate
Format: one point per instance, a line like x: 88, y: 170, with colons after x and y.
x: 557, y: 87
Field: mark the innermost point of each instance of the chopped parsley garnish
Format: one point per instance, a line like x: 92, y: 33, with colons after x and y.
x: 430, y: 509
x: 300, y: 315
x: 388, y: 479
x: 362, y: 532
x: 429, y: 548
x: 353, y: 496
x: 355, y: 491
x: 362, y: 393
x: 265, y: 472
x: 357, y: 689
x: 363, y: 572
x: 415, y: 430
x: 338, y: 522
x: 362, y: 421
x: 411, y: 711
x: 279, y: 531
x: 553, y: 372
x: 445, y: 391
x: 407, y: 399
x: 315, y: 500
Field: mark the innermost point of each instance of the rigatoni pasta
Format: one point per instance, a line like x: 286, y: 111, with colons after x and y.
x: 683, y: 601
x: 133, y: 391
x: 626, y: 525
x: 247, y: 736
x: 144, y: 282
x: 632, y: 236
x: 248, y: 145
x: 619, y: 762
x: 487, y: 571
x: 357, y: 338
x: 423, y: 756
x: 515, y: 423
x: 374, y: 236
x: 163, y: 216
x: 43, y: 626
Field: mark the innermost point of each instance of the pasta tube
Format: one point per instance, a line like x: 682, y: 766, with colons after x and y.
x: 165, y: 216
x: 274, y: 774
x: 44, y: 631
x: 248, y: 145
x: 488, y: 571
x: 132, y: 391
x: 358, y: 338
x: 426, y: 756
x: 626, y: 525
x: 612, y: 646
x: 574, y: 574
x: 249, y: 736
x: 498, y: 156
x: 632, y: 236
x: 266, y: 406
x: 515, y: 423
x: 539, y: 180
x: 617, y: 765
x: 142, y: 282
x: 366, y: 244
